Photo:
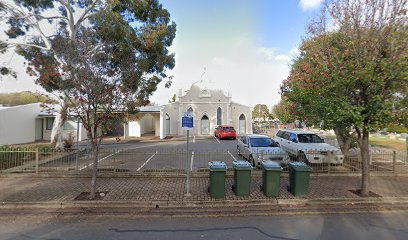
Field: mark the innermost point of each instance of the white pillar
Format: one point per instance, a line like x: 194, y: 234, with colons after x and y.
x: 162, y: 125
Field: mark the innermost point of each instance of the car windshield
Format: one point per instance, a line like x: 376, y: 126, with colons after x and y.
x: 310, y: 138
x: 263, y: 142
x: 228, y: 129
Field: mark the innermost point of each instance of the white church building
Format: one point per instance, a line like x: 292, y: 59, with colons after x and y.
x: 210, y: 108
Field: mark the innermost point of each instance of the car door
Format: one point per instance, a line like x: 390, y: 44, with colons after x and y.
x: 245, y: 147
x: 286, y: 144
x: 291, y: 143
x: 278, y: 136
x: 240, y: 145
x: 282, y: 141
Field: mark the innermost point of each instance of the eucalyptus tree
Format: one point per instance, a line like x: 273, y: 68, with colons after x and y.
x: 140, y: 28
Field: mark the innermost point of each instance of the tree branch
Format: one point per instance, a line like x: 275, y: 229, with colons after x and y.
x: 28, y: 45
x: 84, y: 16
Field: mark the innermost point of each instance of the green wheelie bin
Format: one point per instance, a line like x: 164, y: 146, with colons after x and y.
x: 299, y: 174
x: 242, y: 178
x: 271, y: 172
x: 218, y: 171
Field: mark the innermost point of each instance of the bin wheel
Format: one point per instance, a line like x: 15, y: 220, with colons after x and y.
x: 261, y: 187
x: 232, y: 187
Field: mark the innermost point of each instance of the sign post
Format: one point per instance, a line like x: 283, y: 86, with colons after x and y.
x: 187, y: 122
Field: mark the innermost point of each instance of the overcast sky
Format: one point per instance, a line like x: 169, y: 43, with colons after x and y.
x: 245, y: 46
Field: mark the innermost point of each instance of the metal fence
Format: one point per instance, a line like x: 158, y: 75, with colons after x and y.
x: 120, y: 162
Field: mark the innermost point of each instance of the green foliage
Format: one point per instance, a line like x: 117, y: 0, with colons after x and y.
x: 337, y: 82
x: 5, y: 71
x: 21, y: 98
x: 282, y: 111
x: 397, y: 129
x: 260, y: 111
x: 173, y: 99
x: 138, y: 33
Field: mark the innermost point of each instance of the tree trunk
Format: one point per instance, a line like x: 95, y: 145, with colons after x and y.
x: 95, y: 151
x: 56, y: 133
x: 365, y: 160
x: 344, y: 138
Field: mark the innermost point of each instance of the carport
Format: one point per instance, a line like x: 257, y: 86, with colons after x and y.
x: 146, y: 121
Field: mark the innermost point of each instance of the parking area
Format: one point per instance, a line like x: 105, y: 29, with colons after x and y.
x: 163, y: 155
x: 170, y: 155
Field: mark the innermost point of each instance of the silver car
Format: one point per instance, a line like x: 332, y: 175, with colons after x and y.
x: 256, y: 148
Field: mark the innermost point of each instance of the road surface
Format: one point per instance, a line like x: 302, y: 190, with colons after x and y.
x: 386, y: 225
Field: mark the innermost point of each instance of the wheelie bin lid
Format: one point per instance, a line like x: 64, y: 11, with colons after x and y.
x: 271, y: 165
x: 300, y: 166
x: 240, y: 164
x: 217, y: 166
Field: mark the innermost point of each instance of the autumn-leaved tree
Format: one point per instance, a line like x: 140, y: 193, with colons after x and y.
x: 141, y: 29
x: 98, y: 95
x: 349, y: 71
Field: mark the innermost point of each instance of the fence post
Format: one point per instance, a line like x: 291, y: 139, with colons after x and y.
x: 37, y: 156
x: 328, y: 167
x: 394, y: 161
x: 114, y: 164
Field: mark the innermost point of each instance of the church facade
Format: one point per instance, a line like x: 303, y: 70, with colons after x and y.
x: 210, y: 108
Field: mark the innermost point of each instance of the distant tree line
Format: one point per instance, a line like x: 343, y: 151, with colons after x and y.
x: 22, y: 98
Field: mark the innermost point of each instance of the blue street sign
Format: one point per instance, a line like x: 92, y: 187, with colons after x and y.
x: 187, y: 120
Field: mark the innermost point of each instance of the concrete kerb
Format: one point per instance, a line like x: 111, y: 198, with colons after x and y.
x: 218, y: 204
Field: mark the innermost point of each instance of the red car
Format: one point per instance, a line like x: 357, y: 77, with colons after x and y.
x: 225, y: 131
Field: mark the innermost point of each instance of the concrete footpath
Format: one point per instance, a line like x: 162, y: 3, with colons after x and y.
x: 165, y: 196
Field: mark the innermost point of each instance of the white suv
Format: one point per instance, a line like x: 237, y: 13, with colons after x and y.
x: 308, y: 146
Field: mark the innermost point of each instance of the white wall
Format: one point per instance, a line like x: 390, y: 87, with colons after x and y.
x: 134, y: 128
x: 142, y: 123
x: 83, y: 135
x: 146, y: 124
x: 156, y: 119
x: 237, y: 110
x: 17, y: 124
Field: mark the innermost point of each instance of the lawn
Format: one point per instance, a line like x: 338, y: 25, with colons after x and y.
x: 380, y: 142
x: 388, y: 143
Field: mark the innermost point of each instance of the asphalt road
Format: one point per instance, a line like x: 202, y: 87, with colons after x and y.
x: 388, y: 226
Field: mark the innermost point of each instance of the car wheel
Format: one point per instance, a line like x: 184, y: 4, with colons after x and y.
x: 252, y: 161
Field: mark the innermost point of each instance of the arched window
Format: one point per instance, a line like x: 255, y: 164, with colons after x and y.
x: 219, y: 116
x: 242, y: 124
x: 205, y: 125
x: 190, y: 109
